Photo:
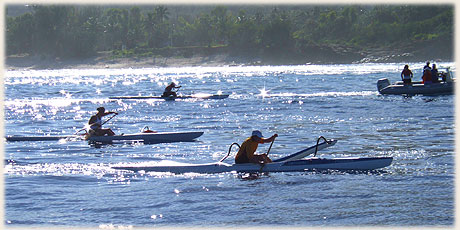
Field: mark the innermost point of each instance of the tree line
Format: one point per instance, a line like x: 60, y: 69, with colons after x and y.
x: 82, y: 31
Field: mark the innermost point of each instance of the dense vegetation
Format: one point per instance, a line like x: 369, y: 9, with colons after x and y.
x: 277, y: 31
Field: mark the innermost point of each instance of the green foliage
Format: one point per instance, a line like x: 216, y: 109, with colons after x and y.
x: 81, y: 31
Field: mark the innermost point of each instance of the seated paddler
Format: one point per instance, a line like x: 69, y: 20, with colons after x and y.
x: 168, y: 90
x: 249, y: 147
x: 95, y: 123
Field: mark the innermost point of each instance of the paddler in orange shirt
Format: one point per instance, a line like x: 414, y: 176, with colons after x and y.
x: 249, y: 147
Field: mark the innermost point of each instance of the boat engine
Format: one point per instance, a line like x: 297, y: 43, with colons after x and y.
x: 448, y: 75
x: 382, y: 83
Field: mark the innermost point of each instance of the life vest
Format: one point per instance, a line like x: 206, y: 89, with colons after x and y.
x: 427, y: 76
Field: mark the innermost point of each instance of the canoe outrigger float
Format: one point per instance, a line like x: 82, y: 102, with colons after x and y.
x: 291, y: 163
x: 149, y: 137
x: 194, y: 96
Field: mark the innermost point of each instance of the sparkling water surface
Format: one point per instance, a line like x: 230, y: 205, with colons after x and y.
x: 71, y: 183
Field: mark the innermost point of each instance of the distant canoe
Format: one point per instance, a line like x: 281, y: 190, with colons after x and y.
x: 194, y: 96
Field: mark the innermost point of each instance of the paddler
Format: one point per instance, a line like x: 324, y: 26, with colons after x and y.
x: 95, y: 123
x: 249, y: 147
x: 168, y: 90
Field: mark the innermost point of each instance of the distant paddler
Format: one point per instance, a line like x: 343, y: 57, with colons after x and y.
x: 95, y: 123
x: 249, y: 147
x: 168, y: 90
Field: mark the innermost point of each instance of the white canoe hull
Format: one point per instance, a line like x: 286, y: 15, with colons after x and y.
x: 287, y: 166
x: 164, y: 137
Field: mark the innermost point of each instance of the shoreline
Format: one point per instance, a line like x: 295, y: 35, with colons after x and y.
x: 105, y: 61
x: 14, y: 63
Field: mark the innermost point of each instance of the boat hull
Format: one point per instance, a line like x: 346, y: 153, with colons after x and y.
x: 164, y: 137
x: 442, y: 88
x: 361, y: 164
x: 149, y: 137
x: 39, y: 138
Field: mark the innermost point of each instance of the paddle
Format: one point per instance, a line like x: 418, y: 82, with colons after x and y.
x: 269, y: 148
x: 110, y: 118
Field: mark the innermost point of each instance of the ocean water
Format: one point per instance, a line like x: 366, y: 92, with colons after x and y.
x: 72, y: 183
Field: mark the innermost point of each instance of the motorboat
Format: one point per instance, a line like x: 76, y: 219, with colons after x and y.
x: 444, y: 87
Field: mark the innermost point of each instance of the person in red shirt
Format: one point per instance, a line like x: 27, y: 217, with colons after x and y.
x: 426, y: 78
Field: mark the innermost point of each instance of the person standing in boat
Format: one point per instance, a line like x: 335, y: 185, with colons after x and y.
x: 95, y: 123
x: 427, y: 66
x: 249, y: 147
x: 434, y: 74
x: 168, y: 90
x: 406, y: 75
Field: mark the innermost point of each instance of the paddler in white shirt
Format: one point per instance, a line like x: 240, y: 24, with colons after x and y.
x: 249, y: 147
x: 95, y: 123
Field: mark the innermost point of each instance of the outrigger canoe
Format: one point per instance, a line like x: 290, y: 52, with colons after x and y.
x: 163, y: 137
x: 195, y: 96
x: 291, y: 163
x: 314, y: 163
